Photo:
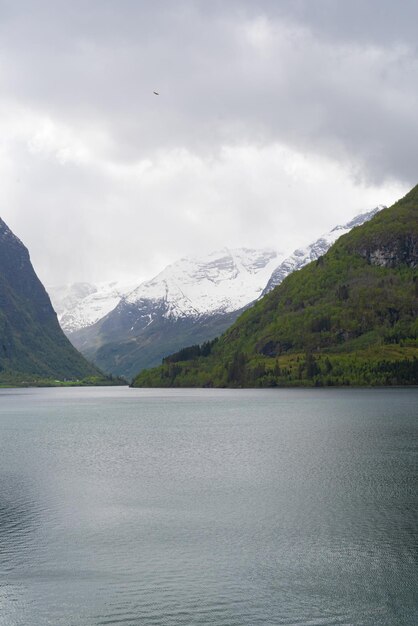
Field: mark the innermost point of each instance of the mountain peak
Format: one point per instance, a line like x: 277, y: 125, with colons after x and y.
x: 349, y: 319
x: 82, y: 304
x: 190, y: 301
x: 303, y: 256
x: 222, y: 281
x: 360, y: 219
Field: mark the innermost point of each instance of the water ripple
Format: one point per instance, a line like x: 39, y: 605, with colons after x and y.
x: 221, y: 509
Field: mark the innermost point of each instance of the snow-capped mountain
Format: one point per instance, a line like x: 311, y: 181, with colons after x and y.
x: 190, y: 301
x: 82, y: 304
x: 221, y: 282
x: 303, y: 256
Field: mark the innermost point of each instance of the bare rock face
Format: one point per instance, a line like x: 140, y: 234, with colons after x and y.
x: 392, y: 254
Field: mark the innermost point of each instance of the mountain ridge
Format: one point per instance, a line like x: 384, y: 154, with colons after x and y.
x: 192, y: 300
x: 350, y: 317
x: 82, y: 304
x: 32, y: 344
x: 302, y: 256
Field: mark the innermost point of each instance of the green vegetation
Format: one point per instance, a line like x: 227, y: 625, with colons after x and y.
x: 13, y: 379
x: 33, y: 348
x: 349, y: 318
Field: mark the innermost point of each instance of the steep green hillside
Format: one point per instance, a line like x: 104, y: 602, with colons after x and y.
x: 348, y: 318
x: 33, y: 347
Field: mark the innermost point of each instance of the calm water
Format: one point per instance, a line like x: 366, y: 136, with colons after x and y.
x: 215, y: 507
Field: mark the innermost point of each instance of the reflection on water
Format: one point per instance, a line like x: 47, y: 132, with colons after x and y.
x: 212, y: 507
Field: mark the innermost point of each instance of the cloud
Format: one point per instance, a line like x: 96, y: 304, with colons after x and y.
x: 275, y: 121
x: 132, y: 219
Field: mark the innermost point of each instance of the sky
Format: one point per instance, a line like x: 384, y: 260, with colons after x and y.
x: 275, y: 121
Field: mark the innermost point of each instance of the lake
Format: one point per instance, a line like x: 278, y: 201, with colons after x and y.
x: 208, y: 507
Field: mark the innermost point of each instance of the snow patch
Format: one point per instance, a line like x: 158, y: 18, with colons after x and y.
x: 221, y: 282
x: 82, y: 304
x: 303, y: 256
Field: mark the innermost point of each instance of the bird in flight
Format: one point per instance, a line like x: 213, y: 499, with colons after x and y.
x: 156, y: 93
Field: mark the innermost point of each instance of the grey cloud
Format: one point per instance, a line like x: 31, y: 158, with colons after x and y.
x: 330, y: 77
x: 327, y: 80
x: 380, y: 22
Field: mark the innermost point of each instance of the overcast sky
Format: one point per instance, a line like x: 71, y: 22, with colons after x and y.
x: 276, y: 120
